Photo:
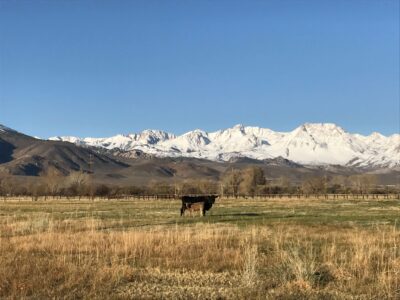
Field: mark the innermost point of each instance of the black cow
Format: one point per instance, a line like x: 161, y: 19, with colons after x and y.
x: 203, y: 203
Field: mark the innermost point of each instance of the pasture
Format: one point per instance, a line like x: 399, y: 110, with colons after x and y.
x: 242, y: 249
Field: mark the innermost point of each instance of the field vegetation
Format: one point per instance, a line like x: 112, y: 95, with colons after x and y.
x: 244, y: 249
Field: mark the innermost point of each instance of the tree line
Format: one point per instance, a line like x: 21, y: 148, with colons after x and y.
x: 234, y: 183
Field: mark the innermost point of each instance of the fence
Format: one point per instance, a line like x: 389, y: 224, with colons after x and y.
x: 274, y: 196
x: 393, y: 196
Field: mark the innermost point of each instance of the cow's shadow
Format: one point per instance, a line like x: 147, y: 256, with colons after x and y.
x: 237, y: 215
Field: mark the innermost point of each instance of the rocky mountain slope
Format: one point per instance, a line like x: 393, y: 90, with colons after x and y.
x: 21, y: 154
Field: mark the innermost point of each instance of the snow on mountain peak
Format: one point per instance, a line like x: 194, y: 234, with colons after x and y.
x: 154, y: 136
x: 329, y: 128
x: 310, y: 143
x: 6, y: 129
x: 191, y: 141
x: 239, y: 127
x: 376, y: 135
x: 122, y: 141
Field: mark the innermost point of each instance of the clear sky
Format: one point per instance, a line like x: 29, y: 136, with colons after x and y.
x: 98, y: 68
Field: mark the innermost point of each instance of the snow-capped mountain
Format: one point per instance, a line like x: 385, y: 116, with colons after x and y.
x: 6, y: 129
x: 318, y: 143
x: 145, y: 139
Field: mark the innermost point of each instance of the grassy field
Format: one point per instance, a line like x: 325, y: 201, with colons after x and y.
x: 243, y: 249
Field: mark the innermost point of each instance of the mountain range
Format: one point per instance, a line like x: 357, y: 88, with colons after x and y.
x: 155, y: 156
x: 309, y: 144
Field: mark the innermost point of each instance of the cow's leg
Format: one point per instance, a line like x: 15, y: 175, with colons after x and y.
x: 183, y: 209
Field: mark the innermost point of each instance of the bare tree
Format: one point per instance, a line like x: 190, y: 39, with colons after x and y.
x: 189, y: 187
x: 314, y: 185
x: 284, y: 184
x: 161, y: 188
x: 363, y: 183
x: 252, y: 179
x: 338, y: 184
x: 7, y: 186
x: 52, y: 180
x: 231, y: 182
x: 78, y: 183
x: 207, y: 186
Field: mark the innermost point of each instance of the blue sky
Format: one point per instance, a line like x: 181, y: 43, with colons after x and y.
x: 98, y: 68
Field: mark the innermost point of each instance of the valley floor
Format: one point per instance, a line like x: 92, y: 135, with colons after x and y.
x: 243, y: 249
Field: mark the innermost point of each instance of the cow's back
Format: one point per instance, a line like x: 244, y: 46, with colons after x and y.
x: 193, y: 199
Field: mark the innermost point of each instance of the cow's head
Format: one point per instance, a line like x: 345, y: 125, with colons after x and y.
x: 212, y: 198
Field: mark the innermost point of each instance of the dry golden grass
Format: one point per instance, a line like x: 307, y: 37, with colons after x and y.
x: 84, y: 256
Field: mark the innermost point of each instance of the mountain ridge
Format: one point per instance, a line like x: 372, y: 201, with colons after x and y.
x: 309, y: 143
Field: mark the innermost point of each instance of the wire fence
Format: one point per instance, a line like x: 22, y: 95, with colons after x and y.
x: 259, y: 197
